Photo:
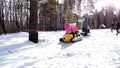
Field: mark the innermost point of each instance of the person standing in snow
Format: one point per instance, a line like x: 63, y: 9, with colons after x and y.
x: 117, y: 27
x: 85, y: 27
x: 112, y: 26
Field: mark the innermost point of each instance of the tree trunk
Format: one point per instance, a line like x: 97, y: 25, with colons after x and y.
x: 33, y: 26
x: 2, y: 23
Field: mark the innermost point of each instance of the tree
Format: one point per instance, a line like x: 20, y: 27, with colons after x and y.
x: 48, y: 15
x: 2, y: 23
x: 68, y: 4
x: 33, y: 25
x: 69, y: 16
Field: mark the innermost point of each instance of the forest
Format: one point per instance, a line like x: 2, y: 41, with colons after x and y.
x: 15, y: 14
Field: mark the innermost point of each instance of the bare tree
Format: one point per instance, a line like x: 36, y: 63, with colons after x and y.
x: 2, y: 23
x: 68, y: 4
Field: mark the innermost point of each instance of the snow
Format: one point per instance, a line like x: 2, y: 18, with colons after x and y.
x: 99, y: 50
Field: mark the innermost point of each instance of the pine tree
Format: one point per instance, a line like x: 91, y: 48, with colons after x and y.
x: 69, y: 16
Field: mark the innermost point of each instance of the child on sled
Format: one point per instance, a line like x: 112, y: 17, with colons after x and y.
x: 71, y: 28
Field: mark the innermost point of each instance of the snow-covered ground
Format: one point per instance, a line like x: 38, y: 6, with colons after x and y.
x: 99, y: 50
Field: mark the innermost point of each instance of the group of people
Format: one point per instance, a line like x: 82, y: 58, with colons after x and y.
x: 115, y: 26
x: 73, y: 28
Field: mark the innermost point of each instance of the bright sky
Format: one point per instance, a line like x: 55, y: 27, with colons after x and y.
x: 103, y: 3
x: 60, y: 1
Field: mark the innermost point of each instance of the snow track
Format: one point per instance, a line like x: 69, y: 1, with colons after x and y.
x: 99, y: 50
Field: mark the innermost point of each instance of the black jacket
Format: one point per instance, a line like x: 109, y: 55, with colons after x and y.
x: 117, y: 25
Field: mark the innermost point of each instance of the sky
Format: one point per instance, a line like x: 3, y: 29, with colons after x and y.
x: 99, y: 5
x: 102, y: 3
x: 60, y: 1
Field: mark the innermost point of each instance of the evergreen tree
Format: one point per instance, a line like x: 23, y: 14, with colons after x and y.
x: 69, y: 16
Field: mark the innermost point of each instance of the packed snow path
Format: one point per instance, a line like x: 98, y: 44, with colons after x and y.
x: 99, y: 50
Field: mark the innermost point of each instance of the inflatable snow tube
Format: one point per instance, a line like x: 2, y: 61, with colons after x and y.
x: 70, y: 38
x: 67, y: 37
